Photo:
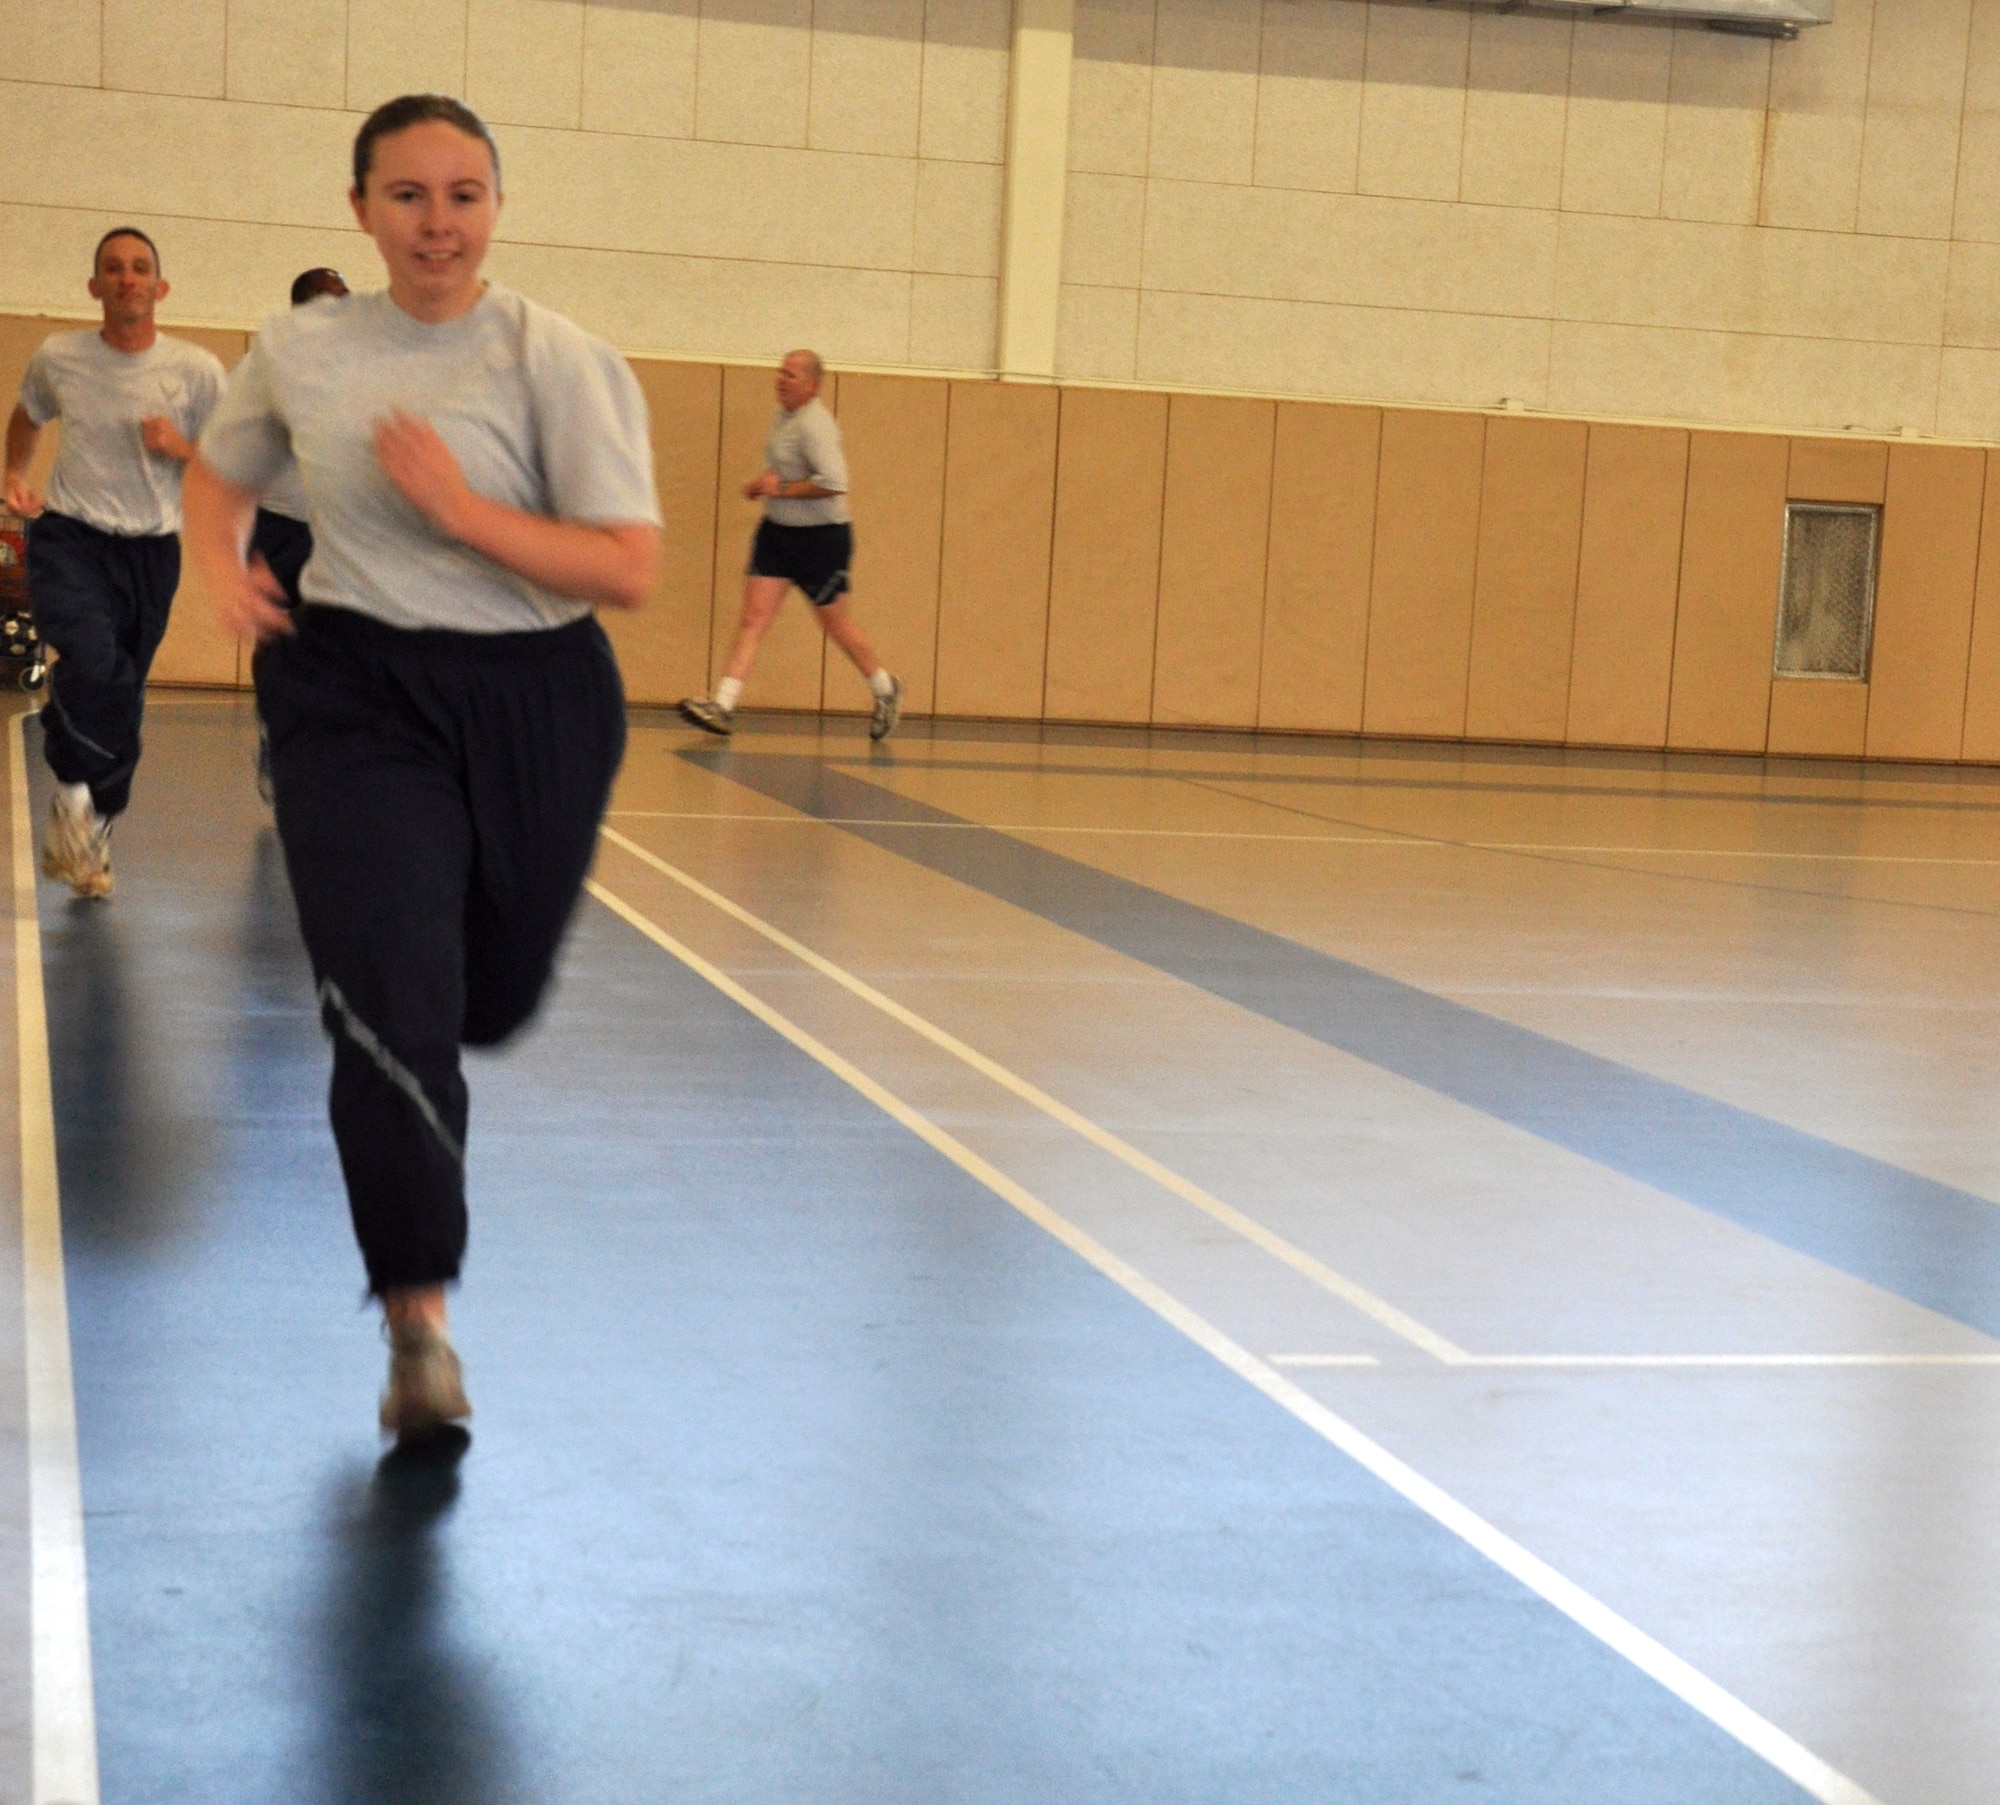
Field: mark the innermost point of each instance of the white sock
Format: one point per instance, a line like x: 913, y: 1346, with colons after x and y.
x: 726, y: 693
x: 76, y: 798
x: 882, y: 683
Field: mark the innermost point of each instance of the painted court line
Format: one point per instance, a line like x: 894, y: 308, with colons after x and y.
x: 1397, y: 1321
x: 65, y: 1713
x: 1891, y: 1227
x: 1661, y: 1360
x: 1379, y: 1310
x: 1687, y: 1683
x: 1390, y: 839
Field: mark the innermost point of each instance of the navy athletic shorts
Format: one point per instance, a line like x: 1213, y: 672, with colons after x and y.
x: 815, y: 558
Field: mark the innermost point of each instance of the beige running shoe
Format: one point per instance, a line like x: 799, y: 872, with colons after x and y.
x: 888, y: 711
x: 77, y: 849
x: 426, y: 1388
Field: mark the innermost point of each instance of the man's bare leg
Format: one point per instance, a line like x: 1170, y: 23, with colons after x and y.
x: 762, y: 598
x: 837, y: 621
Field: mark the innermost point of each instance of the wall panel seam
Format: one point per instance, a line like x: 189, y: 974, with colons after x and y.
x: 1264, y: 568
x: 1055, y: 531
x: 1368, y: 594
x: 944, y: 534
x: 1972, y: 634
x: 1160, y: 563
x: 1576, y: 582
x: 1680, y: 579
x: 1472, y: 613
x: 1374, y: 551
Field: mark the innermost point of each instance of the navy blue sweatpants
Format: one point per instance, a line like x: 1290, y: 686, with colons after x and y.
x: 101, y: 601
x: 438, y: 799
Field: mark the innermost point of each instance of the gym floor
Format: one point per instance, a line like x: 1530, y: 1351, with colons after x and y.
x: 1041, y: 1265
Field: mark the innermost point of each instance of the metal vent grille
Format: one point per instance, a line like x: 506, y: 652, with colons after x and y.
x: 1826, y: 610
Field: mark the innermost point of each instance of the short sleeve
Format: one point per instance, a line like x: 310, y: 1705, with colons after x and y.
x: 590, y: 418
x: 246, y: 442
x: 206, y: 385
x: 38, y: 390
x: 822, y: 445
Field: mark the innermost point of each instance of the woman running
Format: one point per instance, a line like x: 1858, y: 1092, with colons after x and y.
x: 444, y: 711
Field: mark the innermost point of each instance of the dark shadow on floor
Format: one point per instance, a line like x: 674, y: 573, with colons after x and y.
x: 412, y: 1719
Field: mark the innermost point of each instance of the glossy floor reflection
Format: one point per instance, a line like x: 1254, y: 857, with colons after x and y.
x: 806, y: 1469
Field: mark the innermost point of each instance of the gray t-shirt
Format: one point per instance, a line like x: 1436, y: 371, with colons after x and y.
x: 104, y: 475
x: 285, y: 494
x: 804, y: 447
x: 540, y: 415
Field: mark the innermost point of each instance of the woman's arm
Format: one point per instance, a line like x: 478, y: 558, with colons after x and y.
x: 216, y: 533
x: 611, y: 566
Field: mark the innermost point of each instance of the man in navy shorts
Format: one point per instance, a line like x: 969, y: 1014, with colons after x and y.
x: 804, y: 542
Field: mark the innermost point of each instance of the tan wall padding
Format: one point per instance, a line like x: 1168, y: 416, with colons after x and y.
x: 1031, y: 553
x: 1322, y: 555
x: 1731, y: 549
x: 1819, y: 717
x: 1837, y: 470
x: 663, y: 647
x: 1627, y: 587
x: 894, y: 429
x: 789, y: 664
x: 999, y: 510
x: 1524, y: 600
x: 1104, y: 581
x: 1426, y: 554
x: 1923, y: 601
x: 1213, y: 539
x: 1981, y: 739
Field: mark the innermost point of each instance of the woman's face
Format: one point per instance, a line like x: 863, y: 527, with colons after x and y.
x: 430, y: 205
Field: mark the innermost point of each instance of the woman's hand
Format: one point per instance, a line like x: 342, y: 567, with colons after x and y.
x: 21, y: 497
x: 244, y: 594
x: 414, y: 457
x: 760, y: 486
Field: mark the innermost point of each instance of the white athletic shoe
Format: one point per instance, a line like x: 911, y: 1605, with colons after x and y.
x: 426, y: 1387
x: 77, y: 849
x: 709, y: 716
x: 888, y: 711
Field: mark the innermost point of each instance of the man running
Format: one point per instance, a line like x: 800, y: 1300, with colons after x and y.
x: 805, y: 541
x: 282, y: 536
x: 104, y: 555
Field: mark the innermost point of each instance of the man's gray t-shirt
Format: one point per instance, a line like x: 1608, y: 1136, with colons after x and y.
x: 285, y: 494
x: 803, y: 446
x: 540, y: 415
x: 104, y: 475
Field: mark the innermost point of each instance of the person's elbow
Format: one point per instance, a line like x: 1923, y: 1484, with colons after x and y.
x: 634, y: 568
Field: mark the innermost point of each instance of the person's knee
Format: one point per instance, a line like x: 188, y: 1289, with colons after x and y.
x: 494, y: 1019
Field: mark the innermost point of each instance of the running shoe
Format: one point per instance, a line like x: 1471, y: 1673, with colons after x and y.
x: 77, y: 850
x: 426, y: 1388
x: 888, y: 711
x: 709, y: 716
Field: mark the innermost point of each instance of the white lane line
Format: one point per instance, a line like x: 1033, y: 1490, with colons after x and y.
x: 65, y: 1712
x: 1687, y: 1683
x: 1388, y: 838
x: 1377, y: 1309
x: 1558, y: 1361
x: 1775, y: 1360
